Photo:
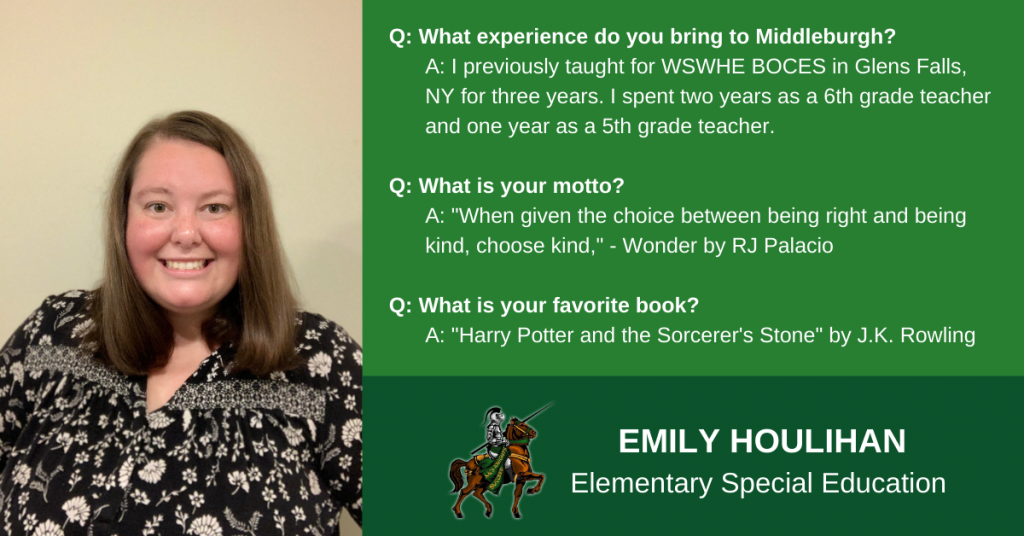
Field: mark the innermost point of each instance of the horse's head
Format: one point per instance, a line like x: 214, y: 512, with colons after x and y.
x: 519, y: 430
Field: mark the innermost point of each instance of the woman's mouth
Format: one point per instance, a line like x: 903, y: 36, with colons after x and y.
x: 186, y: 265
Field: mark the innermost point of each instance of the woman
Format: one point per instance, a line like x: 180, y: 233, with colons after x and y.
x: 186, y: 394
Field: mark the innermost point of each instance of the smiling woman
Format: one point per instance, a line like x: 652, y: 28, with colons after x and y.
x: 186, y: 392
x: 190, y: 189
x: 184, y: 235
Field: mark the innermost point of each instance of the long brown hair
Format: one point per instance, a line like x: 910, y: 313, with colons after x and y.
x: 257, y: 316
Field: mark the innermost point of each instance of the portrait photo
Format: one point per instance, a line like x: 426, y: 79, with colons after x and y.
x: 182, y: 277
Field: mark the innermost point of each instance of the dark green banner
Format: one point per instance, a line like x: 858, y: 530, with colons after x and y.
x: 918, y: 455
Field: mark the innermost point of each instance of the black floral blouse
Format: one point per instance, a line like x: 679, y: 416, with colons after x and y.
x: 226, y: 455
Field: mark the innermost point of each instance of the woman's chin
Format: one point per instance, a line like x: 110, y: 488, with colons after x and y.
x: 189, y: 306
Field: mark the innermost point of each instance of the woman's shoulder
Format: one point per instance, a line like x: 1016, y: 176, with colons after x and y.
x: 328, y: 353
x: 53, y: 331
x: 314, y: 327
x: 62, y: 319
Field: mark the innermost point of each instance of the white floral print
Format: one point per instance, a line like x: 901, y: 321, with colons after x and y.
x: 353, y: 431
x: 159, y: 419
x: 293, y: 435
x: 205, y: 526
x: 196, y: 499
x: 64, y: 440
x: 77, y: 510
x: 22, y: 474
x: 48, y: 528
x: 82, y: 328
x: 320, y: 365
x: 30, y: 522
x: 124, y: 475
x: 239, y: 481
x: 234, y: 456
x: 269, y: 495
x: 314, y: 483
x: 140, y: 497
x: 152, y: 471
x: 17, y: 372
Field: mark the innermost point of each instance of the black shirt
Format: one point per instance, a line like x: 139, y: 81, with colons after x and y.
x: 226, y: 454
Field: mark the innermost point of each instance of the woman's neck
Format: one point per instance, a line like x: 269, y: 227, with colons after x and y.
x: 187, y: 327
x: 190, y: 347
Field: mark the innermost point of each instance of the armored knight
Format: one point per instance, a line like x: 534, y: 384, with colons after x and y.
x: 495, y: 438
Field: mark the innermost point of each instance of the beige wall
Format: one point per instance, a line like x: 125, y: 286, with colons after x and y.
x: 78, y: 79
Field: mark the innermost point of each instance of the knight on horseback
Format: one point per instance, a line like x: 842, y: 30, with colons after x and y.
x: 507, y: 461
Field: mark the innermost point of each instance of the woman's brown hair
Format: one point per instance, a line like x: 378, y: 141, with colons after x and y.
x: 257, y: 316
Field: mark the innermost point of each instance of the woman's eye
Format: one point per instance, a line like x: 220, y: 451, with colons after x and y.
x: 217, y: 209
x: 158, y: 207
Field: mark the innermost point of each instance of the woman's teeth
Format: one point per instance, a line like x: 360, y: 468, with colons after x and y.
x: 191, y: 265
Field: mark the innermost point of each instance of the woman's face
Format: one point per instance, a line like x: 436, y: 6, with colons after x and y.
x: 184, y: 234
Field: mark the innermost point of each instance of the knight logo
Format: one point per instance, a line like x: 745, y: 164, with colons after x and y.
x: 505, y: 460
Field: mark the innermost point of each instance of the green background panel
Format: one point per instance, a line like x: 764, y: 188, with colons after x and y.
x: 819, y: 156
x: 956, y: 428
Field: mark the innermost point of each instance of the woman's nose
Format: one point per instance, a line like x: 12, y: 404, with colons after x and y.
x: 186, y: 232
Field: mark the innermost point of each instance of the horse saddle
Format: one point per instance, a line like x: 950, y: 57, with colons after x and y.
x: 509, y: 475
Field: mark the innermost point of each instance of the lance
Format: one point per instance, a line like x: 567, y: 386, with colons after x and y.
x: 535, y: 413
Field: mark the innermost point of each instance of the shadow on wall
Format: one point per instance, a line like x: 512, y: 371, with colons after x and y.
x: 332, y: 285
x: 331, y: 275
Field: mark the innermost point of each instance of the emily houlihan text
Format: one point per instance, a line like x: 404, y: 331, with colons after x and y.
x: 634, y: 440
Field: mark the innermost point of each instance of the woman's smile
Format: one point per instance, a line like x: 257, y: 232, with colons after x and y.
x: 187, y: 266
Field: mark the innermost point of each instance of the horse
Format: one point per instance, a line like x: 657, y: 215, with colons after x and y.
x: 519, y: 435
